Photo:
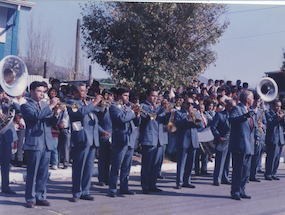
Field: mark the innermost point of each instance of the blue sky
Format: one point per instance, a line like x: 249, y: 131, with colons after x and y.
x: 251, y: 45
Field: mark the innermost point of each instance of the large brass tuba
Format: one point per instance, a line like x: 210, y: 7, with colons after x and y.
x: 267, y: 89
x: 14, y: 81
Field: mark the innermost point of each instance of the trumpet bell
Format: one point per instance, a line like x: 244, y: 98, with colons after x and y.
x: 267, y: 89
x: 14, y: 75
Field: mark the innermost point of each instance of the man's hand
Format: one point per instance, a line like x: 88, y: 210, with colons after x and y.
x: 105, y: 134
x: 136, y: 109
x: 54, y: 102
x: 222, y: 139
x: 249, y: 114
x: 97, y: 100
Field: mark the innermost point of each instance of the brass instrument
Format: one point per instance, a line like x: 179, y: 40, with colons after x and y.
x: 195, y: 120
x: 108, y: 102
x: 259, y: 120
x: 170, y: 127
x: 74, y: 107
x: 144, y: 113
x: 13, y: 80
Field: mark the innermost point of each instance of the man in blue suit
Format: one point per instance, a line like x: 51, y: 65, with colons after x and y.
x: 274, y: 139
x: 38, y: 143
x: 187, y: 122
x: 124, y: 119
x: 258, y: 145
x: 153, y: 137
x: 220, y: 128
x: 85, y: 138
x: 6, y: 139
x: 105, y: 148
x: 243, y: 130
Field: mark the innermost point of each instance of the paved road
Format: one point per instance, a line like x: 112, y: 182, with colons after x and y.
x: 268, y: 197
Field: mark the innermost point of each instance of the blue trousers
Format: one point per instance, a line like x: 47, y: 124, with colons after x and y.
x: 82, y: 169
x: 37, y: 174
x: 241, y: 172
x: 121, y: 161
x: 272, y: 159
x: 222, y: 166
x: 185, y: 161
x: 151, y: 160
x: 104, y: 161
x: 5, y: 157
x: 255, y: 160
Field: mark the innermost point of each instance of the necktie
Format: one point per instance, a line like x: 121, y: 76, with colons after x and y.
x: 125, y: 108
x: 153, y: 106
x: 203, y: 120
x: 84, y: 102
x: 39, y: 105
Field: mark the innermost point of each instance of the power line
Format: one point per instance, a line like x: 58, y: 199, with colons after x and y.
x: 259, y: 35
x: 243, y: 11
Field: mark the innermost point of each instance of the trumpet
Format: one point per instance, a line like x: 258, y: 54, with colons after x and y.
x: 108, y: 102
x: 144, y: 113
x: 74, y: 107
x: 194, y: 119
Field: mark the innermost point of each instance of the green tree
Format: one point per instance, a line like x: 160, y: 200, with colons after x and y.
x: 152, y: 44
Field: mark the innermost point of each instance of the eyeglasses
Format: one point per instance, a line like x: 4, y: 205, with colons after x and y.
x: 189, y: 103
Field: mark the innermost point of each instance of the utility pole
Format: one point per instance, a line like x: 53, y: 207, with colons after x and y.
x: 77, y: 50
x: 90, y: 75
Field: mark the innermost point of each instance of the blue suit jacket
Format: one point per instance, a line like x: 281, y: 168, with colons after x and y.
x: 242, y: 138
x: 187, y: 132
x: 105, y: 122
x: 153, y: 131
x: 123, y: 123
x: 84, y: 124
x: 274, y: 132
x: 220, y: 125
x: 38, y: 124
x: 10, y: 134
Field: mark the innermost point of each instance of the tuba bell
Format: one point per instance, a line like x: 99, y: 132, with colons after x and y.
x: 14, y: 81
x: 267, y: 89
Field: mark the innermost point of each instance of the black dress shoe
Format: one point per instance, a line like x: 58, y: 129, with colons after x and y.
x: 157, y: 190
x: 160, y: 177
x: 260, y: 171
x: 188, y: 185
x: 275, y: 178
x: 268, y: 178
x: 101, y: 183
x: 145, y: 191
x: 178, y: 187
x: 9, y: 192
x: 254, y: 179
x: 65, y: 167
x: 216, y: 183
x: 235, y: 197
x: 205, y: 173
x: 244, y: 196
x: 226, y: 182
x: 87, y: 197
x: 127, y: 192
x: 30, y: 204
x: 75, y: 199
x: 42, y: 203
x: 112, y: 194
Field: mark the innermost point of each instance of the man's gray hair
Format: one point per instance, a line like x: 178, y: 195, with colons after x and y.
x: 243, y: 96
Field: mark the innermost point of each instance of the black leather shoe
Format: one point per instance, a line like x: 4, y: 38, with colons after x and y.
x: 65, y: 167
x: 101, y: 183
x: 205, y: 173
x: 155, y: 190
x: 87, y: 197
x: 275, y: 178
x: 127, y: 192
x: 112, y: 194
x: 160, y: 177
x: 145, y: 191
x: 254, y: 179
x: 226, y: 182
x: 260, y: 171
x: 244, y: 196
x: 75, y: 199
x: 235, y: 197
x: 9, y: 192
x: 30, y: 204
x: 42, y: 203
x: 188, y: 185
x: 216, y: 183
x: 178, y: 187
x: 268, y: 178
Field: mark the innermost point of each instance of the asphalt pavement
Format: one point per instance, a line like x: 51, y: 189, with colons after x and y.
x: 267, y: 196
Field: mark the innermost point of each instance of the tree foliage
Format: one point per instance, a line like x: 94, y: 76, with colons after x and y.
x: 152, y: 44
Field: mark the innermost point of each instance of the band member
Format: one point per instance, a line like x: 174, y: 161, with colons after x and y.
x: 38, y: 143
x: 187, y: 122
x: 104, y: 160
x: 258, y: 145
x: 243, y: 129
x: 6, y: 139
x: 220, y: 128
x: 153, y: 137
x: 200, y: 155
x: 85, y: 138
x: 274, y: 139
x: 124, y: 118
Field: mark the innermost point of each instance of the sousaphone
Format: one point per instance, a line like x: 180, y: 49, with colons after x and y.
x: 14, y: 81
